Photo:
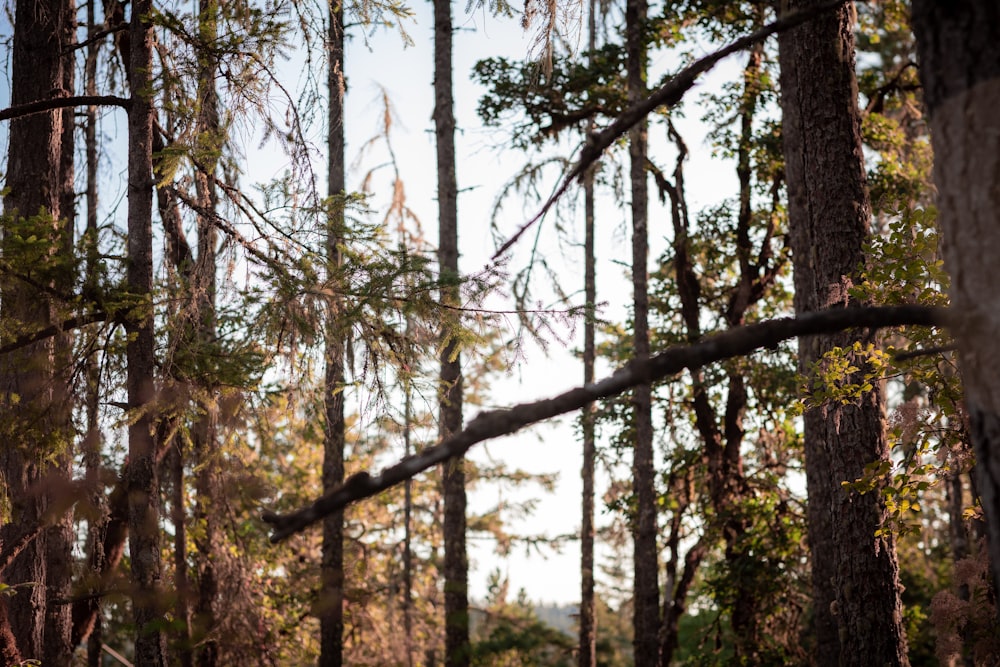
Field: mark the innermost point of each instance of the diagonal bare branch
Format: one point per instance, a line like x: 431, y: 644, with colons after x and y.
x: 495, y: 423
x: 667, y: 95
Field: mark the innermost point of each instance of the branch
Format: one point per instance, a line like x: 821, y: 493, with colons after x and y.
x: 668, y: 95
x: 14, y: 550
x: 41, y: 106
x: 54, y: 330
x: 495, y: 423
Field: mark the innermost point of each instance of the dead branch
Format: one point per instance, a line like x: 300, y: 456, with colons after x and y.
x: 41, y: 106
x: 495, y: 423
x: 666, y: 95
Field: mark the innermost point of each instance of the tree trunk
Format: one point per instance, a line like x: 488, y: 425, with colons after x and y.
x: 59, y: 536
x: 34, y: 407
x: 98, y: 507
x: 958, y: 44
x: 588, y: 617
x: 456, y: 565
x: 855, y: 574
x: 332, y: 568
x: 646, y: 604
x: 142, y: 483
x: 202, y: 285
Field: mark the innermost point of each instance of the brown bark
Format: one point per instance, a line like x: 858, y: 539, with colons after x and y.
x: 34, y: 409
x: 856, y: 601
x: 958, y: 44
x: 182, y: 585
x: 332, y: 570
x: 646, y: 602
x: 98, y: 511
x: 456, y: 565
x: 202, y: 285
x: 143, y: 489
x: 59, y: 538
x: 588, y: 612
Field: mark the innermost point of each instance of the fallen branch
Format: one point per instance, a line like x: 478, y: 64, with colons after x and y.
x: 667, y: 95
x: 487, y: 425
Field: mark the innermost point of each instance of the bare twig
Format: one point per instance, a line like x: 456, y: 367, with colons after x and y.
x: 495, y: 423
x: 668, y: 95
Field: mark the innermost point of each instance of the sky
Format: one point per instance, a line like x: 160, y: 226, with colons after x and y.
x: 379, y: 60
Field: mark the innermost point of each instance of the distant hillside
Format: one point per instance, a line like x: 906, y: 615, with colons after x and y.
x: 560, y: 617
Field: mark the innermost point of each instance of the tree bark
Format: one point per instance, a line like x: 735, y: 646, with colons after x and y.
x: 588, y: 612
x: 34, y: 391
x: 456, y: 565
x: 98, y: 518
x: 855, y: 576
x: 203, y: 332
x: 958, y: 44
x: 142, y: 482
x: 646, y: 604
x: 332, y: 568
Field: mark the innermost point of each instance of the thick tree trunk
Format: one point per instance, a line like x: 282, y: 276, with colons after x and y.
x: 959, y: 48
x: 646, y: 603
x: 142, y: 483
x: 332, y: 567
x: 59, y: 536
x: 855, y: 574
x: 456, y: 565
x: 34, y: 407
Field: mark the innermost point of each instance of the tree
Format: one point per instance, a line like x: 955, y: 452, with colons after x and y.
x: 588, y: 613
x: 959, y: 56
x: 855, y: 574
x: 456, y: 565
x: 35, y: 394
x: 332, y: 570
x: 142, y: 478
x: 646, y: 605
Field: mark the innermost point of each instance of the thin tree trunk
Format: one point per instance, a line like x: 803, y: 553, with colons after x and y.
x: 408, y: 511
x: 33, y: 394
x: 959, y: 48
x: 98, y: 518
x: 182, y: 586
x: 143, y: 485
x: 202, y: 285
x: 588, y: 615
x: 332, y: 570
x: 456, y: 565
x: 855, y: 575
x: 646, y: 603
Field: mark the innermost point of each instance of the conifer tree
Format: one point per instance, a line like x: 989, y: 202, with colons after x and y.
x: 646, y: 601
x: 456, y: 565
x: 855, y: 576
x: 334, y: 437
x: 35, y: 396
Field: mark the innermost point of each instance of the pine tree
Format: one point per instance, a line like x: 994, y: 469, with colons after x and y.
x: 855, y: 574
